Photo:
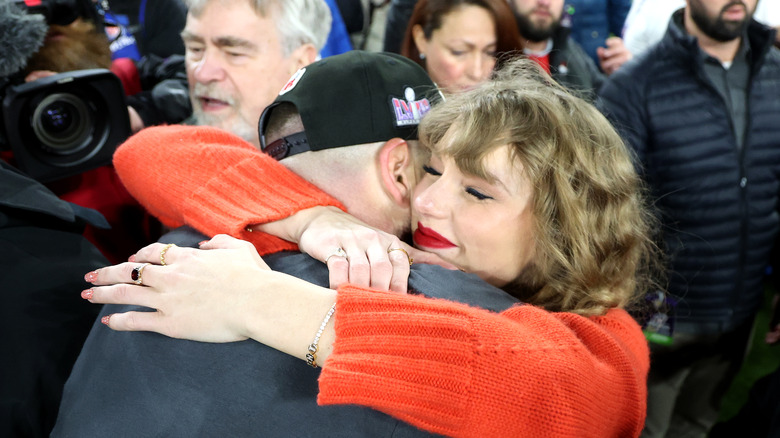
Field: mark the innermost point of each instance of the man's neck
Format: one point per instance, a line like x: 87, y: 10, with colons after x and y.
x: 722, y: 51
x: 536, y: 46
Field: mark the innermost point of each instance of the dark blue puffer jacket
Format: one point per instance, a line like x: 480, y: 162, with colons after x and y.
x: 717, y: 203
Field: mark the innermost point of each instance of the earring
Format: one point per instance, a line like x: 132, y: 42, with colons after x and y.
x: 422, y: 55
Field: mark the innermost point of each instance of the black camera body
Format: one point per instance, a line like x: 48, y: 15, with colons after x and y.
x: 64, y: 124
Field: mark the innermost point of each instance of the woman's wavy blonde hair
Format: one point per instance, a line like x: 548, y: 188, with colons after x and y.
x: 594, y: 248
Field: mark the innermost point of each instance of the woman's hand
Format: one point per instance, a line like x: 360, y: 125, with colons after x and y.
x: 223, y: 292
x: 198, y: 294
x: 370, y: 257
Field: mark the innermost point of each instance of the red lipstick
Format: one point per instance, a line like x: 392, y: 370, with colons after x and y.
x: 427, y: 238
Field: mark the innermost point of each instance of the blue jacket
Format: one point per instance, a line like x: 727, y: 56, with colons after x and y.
x: 717, y: 202
x: 594, y: 20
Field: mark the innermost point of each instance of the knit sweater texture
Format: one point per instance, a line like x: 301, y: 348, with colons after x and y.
x: 444, y: 367
x: 214, y: 182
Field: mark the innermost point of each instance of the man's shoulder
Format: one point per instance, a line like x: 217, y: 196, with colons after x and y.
x: 773, y: 58
x: 437, y: 282
x: 567, y: 48
x: 173, y: 387
x: 649, y: 69
x: 430, y: 280
x: 646, y: 64
x: 184, y: 236
x: 299, y: 265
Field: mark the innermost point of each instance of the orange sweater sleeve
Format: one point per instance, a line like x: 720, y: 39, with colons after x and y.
x: 213, y: 181
x: 460, y: 371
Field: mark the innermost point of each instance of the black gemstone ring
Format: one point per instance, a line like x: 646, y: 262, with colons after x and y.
x: 136, y: 274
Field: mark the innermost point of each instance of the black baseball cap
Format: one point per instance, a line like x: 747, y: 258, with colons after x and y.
x: 353, y: 98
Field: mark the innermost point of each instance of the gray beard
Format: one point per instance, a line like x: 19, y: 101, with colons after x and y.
x: 238, y: 127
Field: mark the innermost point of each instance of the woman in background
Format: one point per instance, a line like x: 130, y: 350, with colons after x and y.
x: 459, y: 42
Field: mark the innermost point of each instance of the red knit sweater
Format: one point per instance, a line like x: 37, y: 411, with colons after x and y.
x: 442, y: 366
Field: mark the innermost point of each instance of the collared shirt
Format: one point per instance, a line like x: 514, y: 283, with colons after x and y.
x: 731, y: 82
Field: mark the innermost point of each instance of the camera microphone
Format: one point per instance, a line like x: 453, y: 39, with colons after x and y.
x: 23, y: 35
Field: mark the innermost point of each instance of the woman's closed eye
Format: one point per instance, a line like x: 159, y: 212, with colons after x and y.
x: 477, y: 194
x: 470, y: 190
x: 430, y: 170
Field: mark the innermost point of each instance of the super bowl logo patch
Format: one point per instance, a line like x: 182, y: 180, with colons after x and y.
x: 112, y: 32
x: 409, y: 111
x: 293, y: 81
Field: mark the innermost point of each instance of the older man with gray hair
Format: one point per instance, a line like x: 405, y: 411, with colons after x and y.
x: 239, y: 54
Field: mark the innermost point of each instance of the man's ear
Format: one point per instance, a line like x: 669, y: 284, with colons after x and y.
x: 302, y: 56
x: 396, y: 169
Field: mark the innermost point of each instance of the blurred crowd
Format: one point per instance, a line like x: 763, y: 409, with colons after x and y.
x: 691, y: 86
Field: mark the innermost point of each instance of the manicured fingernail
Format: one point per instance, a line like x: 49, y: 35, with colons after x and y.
x: 87, y: 294
x: 203, y: 242
x: 90, y: 277
x: 105, y: 319
x: 131, y: 258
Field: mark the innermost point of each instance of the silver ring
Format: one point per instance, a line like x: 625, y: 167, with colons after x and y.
x: 136, y: 274
x: 338, y: 253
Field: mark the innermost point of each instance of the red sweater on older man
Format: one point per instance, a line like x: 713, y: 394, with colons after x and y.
x: 442, y: 366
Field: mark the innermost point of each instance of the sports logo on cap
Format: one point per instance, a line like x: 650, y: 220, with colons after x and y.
x: 409, y: 111
x: 293, y: 81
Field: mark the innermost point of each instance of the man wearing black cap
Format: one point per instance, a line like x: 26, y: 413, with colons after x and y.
x: 392, y: 106
x: 357, y: 107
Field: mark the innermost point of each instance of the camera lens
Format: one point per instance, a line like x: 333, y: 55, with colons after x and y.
x: 58, y: 117
x: 63, y: 122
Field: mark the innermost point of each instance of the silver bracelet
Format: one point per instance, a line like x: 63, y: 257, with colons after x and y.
x: 311, y: 356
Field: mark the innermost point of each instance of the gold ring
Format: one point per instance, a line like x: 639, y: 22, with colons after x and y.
x: 162, y: 253
x: 136, y: 274
x: 338, y: 253
x: 411, y: 260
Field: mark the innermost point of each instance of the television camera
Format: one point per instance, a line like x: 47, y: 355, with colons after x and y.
x: 63, y: 124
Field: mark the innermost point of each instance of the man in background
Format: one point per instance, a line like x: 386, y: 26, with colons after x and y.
x: 700, y: 110
x: 240, y: 53
x: 547, y: 40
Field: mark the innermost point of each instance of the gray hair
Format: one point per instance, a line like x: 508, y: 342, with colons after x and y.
x: 298, y: 22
